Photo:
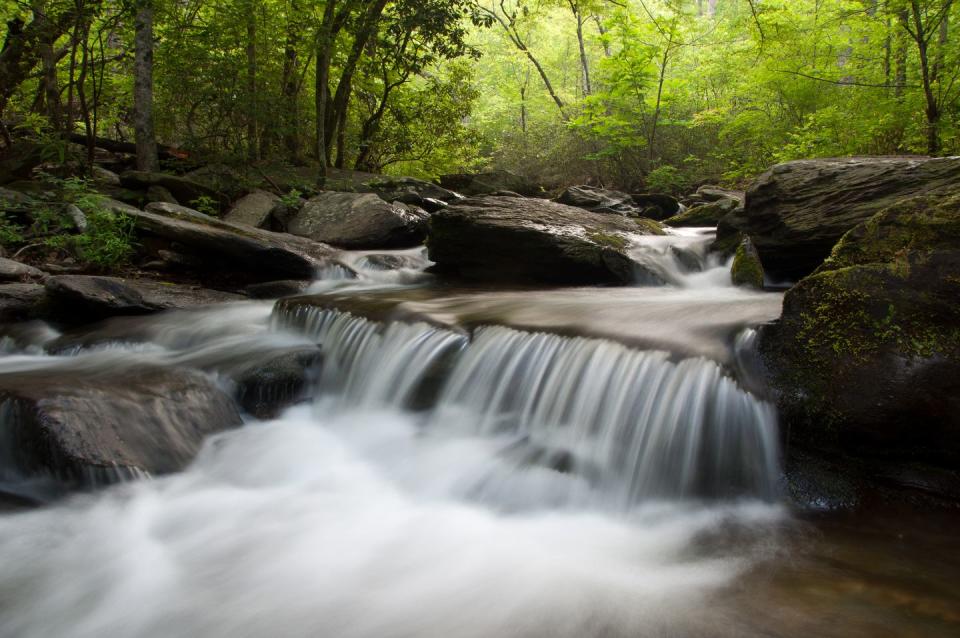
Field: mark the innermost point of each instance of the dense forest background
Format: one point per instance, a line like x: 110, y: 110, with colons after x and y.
x: 659, y: 94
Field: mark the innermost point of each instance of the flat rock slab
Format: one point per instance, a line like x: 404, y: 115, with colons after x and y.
x: 257, y: 254
x: 507, y: 239
x: 89, y: 428
x: 253, y: 209
x: 74, y: 298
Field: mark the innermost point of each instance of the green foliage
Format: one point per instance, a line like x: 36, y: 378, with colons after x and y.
x: 206, y: 205
x: 11, y: 233
x: 667, y: 179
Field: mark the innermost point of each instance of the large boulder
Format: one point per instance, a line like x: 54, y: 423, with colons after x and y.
x: 245, y: 252
x: 599, y: 200
x: 253, y: 209
x: 657, y: 206
x: 532, y: 240
x: 183, y: 189
x: 267, y: 386
x: 747, y: 270
x: 866, y: 357
x: 91, y: 427
x: 797, y: 211
x: 471, y: 184
x: 79, y: 298
x: 359, y: 221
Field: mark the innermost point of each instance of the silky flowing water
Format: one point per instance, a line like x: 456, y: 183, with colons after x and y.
x: 572, y: 462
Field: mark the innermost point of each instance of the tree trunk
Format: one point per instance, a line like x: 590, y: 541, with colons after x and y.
x: 322, y: 83
x: 291, y: 86
x: 656, y: 111
x: 584, y: 64
x: 253, y: 152
x: 143, y: 87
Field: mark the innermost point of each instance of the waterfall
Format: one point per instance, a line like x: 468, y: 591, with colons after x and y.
x: 636, y: 425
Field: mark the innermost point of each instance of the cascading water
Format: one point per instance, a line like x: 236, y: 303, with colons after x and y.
x: 486, y: 482
x: 635, y: 424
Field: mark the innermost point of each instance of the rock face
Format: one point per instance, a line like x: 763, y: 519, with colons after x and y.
x: 184, y: 190
x: 471, y: 184
x: 21, y: 301
x: 747, y: 271
x: 797, y: 211
x: 359, y: 221
x: 253, y: 209
x: 76, y: 298
x: 267, y: 387
x: 531, y: 240
x: 599, y: 200
x: 254, y: 254
x: 90, y: 428
x: 867, y: 354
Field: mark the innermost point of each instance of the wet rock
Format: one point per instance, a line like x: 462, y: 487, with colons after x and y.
x: 471, y: 184
x: 797, y: 211
x: 21, y: 301
x: 599, y: 200
x: 160, y: 194
x: 92, y: 427
x: 866, y: 357
x: 14, y: 271
x: 656, y: 205
x: 183, y: 189
x: 747, y: 271
x: 389, y: 262
x: 703, y: 215
x: 243, y: 251
x: 717, y: 194
x: 79, y: 298
x: 359, y: 221
x: 276, y: 289
x: 533, y: 240
x: 253, y: 209
x: 266, y: 387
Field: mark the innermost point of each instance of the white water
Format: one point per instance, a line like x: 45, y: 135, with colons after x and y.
x: 543, y: 486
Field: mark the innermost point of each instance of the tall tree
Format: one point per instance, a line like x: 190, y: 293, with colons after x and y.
x: 144, y: 134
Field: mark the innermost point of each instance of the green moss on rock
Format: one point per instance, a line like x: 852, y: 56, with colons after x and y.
x: 747, y: 270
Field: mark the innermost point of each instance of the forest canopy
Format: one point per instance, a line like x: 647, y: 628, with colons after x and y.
x: 661, y: 94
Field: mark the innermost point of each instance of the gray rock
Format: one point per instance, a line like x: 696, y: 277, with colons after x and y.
x: 104, y: 176
x: 266, y: 387
x: 21, y: 301
x: 14, y: 271
x: 710, y: 193
x: 359, y: 221
x: 253, y: 209
x: 656, y: 205
x: 471, y: 184
x: 533, y: 240
x: 599, y: 200
x: 76, y: 216
x: 92, y: 428
x: 414, y: 192
x: 160, y: 194
x: 276, y: 289
x: 14, y: 200
x: 256, y: 254
x: 797, y: 211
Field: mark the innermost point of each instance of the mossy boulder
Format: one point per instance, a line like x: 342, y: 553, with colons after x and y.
x: 866, y: 357
x: 506, y: 239
x: 747, y: 271
x: 797, y: 211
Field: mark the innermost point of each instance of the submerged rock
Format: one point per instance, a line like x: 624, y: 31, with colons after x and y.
x: 747, y: 271
x: 532, y: 240
x: 266, y: 387
x: 88, y: 428
x: 866, y: 357
x: 359, y: 221
x: 797, y: 211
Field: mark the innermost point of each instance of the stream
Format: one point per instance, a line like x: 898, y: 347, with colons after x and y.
x: 470, y: 462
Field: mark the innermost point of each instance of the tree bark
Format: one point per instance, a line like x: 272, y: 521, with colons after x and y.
x: 584, y: 64
x: 253, y: 150
x: 143, y: 87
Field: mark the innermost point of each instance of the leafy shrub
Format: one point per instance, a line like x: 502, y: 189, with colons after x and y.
x: 667, y: 179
